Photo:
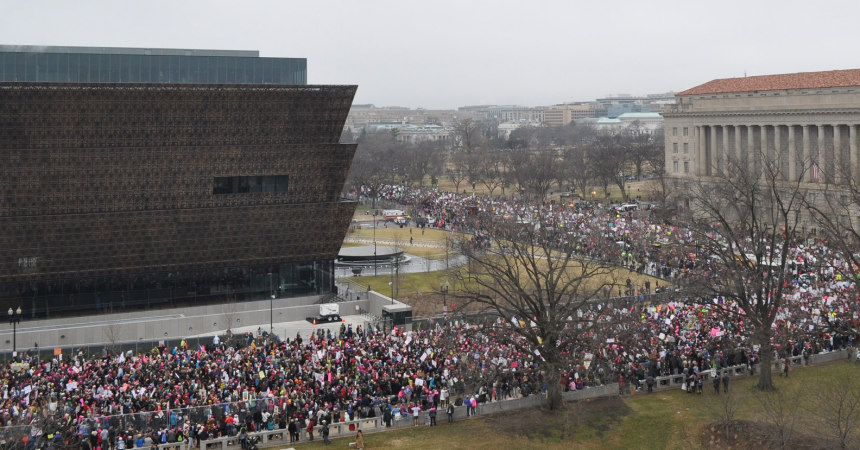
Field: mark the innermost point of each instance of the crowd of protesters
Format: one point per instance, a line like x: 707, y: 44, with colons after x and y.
x: 251, y: 383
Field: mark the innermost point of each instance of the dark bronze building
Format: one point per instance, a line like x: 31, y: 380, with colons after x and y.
x: 123, y: 191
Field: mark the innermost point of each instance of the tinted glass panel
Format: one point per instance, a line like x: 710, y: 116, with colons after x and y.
x: 124, y: 68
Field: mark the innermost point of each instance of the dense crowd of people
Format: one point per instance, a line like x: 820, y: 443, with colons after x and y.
x: 240, y: 385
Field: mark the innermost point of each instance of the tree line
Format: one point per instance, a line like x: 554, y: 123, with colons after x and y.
x: 532, y: 161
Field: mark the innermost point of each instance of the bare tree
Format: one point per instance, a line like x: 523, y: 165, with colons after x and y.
x: 372, y: 166
x: 661, y: 191
x: 726, y: 411
x: 575, y: 169
x: 746, y: 221
x: 608, y: 157
x: 419, y: 160
x: 493, y: 168
x: 643, y: 147
x: 541, y: 292
x: 838, y: 410
x: 835, y: 209
x: 113, y: 333
x: 522, y: 138
x: 466, y: 135
x: 230, y: 314
x: 473, y: 165
x: 113, y: 336
x: 456, y: 172
x: 782, y: 410
x: 535, y: 171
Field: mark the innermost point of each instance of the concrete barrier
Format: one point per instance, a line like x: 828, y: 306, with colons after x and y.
x: 675, y: 381
x: 375, y: 424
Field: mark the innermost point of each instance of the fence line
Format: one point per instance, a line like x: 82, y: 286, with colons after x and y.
x: 375, y: 424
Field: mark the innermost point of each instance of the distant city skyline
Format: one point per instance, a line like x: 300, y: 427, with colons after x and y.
x: 451, y: 53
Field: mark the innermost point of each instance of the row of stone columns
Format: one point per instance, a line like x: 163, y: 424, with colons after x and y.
x: 809, y: 153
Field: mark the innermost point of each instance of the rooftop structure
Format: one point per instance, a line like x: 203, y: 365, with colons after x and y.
x: 144, y: 65
x: 801, y: 80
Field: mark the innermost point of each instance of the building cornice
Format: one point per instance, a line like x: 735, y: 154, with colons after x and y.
x: 759, y: 113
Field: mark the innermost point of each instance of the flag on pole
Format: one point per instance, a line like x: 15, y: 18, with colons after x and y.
x: 816, y: 172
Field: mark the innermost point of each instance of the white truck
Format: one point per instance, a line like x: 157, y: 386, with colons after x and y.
x: 329, y: 312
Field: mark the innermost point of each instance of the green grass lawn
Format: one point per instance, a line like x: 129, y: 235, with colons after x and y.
x: 663, y: 420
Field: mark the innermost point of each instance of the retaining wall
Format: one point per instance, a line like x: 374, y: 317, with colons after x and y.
x: 370, y: 425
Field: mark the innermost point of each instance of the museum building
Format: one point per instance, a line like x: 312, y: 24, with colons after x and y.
x: 801, y: 125
x: 144, y: 178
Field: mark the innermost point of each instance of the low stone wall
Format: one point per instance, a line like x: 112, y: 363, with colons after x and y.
x: 374, y: 424
x: 676, y: 381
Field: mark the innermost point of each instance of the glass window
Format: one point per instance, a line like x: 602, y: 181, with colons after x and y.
x: 230, y: 76
x: 104, y: 68
x: 220, y: 70
x: 223, y: 185
x: 84, y: 68
x: 686, y: 131
x: 270, y: 183
x: 173, y: 68
x: 207, y: 70
x: 686, y: 167
x: 675, y: 166
x: 245, y: 72
x: 674, y: 131
x: 63, y: 68
x: 249, y: 184
x: 16, y: 67
x: 255, y: 184
x: 674, y: 147
x: 162, y: 68
x: 243, y: 185
x: 256, y: 70
x: 267, y: 71
x: 686, y: 147
x: 41, y: 67
x: 282, y: 183
x: 116, y: 66
x: 185, y: 65
x: 134, y: 69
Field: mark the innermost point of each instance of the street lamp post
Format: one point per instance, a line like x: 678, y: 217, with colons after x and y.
x: 271, y: 302
x: 374, y: 242
x: 444, y: 289
x: 14, y: 320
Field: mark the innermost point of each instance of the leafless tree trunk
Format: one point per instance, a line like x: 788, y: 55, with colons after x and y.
x: 457, y: 173
x: 466, y: 135
x: 576, y: 170
x: 113, y: 334
x: 725, y: 412
x: 230, y: 316
x: 836, y: 211
x: 838, y: 411
x: 541, y: 292
x: 782, y: 410
x: 746, y: 221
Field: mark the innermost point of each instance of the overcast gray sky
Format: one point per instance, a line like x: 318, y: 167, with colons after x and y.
x: 449, y: 53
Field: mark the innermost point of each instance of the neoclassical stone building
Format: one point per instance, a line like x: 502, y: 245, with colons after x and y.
x: 802, y: 125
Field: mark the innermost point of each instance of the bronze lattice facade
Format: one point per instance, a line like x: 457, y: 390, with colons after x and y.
x: 116, y: 196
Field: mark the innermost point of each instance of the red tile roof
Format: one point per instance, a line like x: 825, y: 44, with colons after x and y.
x: 803, y: 80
